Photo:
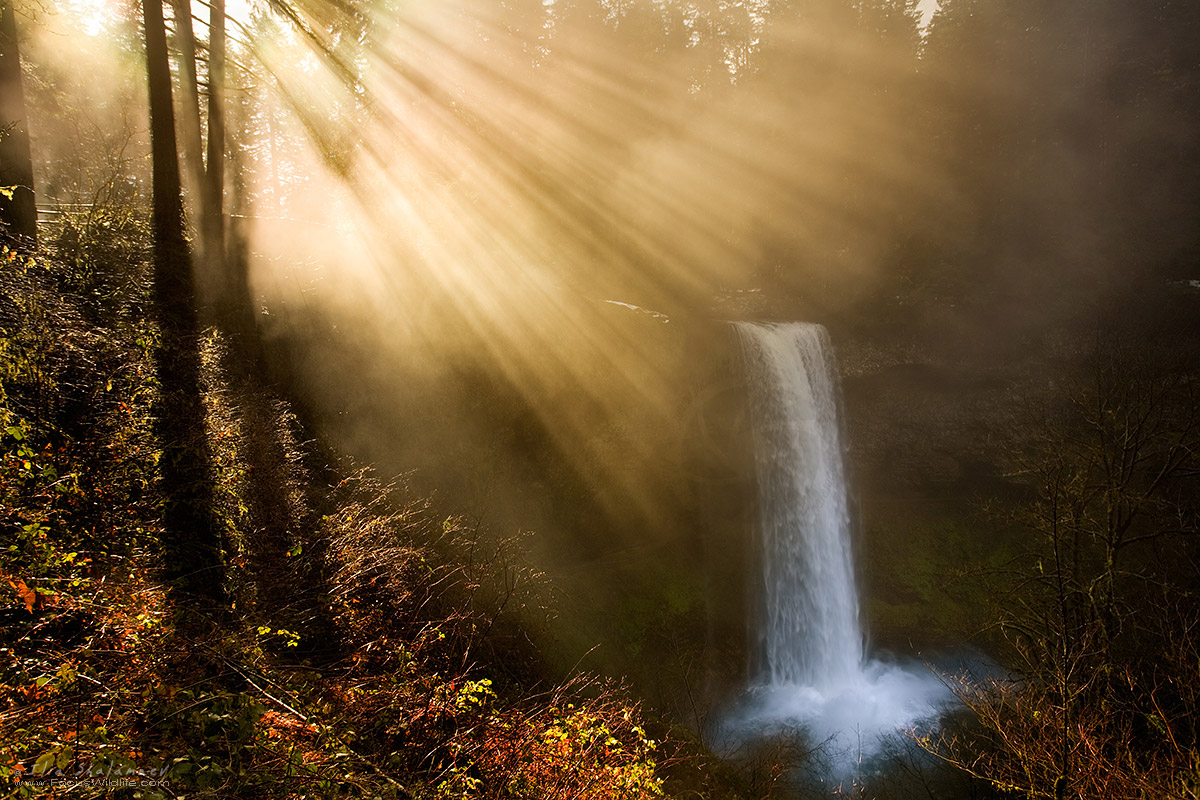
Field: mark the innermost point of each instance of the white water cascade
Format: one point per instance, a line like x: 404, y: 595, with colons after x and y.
x: 809, y: 634
x: 810, y: 669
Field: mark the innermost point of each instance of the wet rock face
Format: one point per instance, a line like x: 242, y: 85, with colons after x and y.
x: 929, y: 418
x: 923, y: 430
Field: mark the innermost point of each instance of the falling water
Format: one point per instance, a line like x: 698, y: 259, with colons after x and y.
x: 810, y: 668
x: 810, y: 634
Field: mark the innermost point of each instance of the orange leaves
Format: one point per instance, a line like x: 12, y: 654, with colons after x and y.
x: 279, y: 725
x: 27, y: 595
x: 32, y: 598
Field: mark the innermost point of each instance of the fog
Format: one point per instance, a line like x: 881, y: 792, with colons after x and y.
x: 494, y: 248
x: 474, y: 183
x: 513, y: 173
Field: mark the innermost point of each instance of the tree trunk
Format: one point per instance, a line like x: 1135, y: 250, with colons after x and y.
x: 214, y: 194
x: 242, y: 316
x: 18, y: 213
x: 189, y: 102
x: 191, y: 538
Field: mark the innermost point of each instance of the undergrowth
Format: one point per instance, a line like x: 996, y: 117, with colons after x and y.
x: 369, y: 649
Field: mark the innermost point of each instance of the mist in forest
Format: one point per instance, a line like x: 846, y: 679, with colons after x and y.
x: 486, y: 191
x: 495, y: 247
x: 723, y: 398
x: 538, y: 208
x: 510, y: 229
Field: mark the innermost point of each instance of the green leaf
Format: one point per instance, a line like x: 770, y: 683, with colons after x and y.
x: 44, y: 762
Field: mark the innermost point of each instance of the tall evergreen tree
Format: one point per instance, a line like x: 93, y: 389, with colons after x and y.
x: 18, y: 212
x: 213, y: 216
x: 192, y: 542
x: 189, y: 98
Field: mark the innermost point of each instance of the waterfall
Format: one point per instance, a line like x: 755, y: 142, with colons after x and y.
x: 809, y: 666
x: 809, y: 633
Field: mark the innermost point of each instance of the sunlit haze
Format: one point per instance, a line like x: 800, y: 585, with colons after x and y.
x: 760, y: 352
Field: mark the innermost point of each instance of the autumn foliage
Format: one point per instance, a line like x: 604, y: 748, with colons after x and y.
x: 370, y: 649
